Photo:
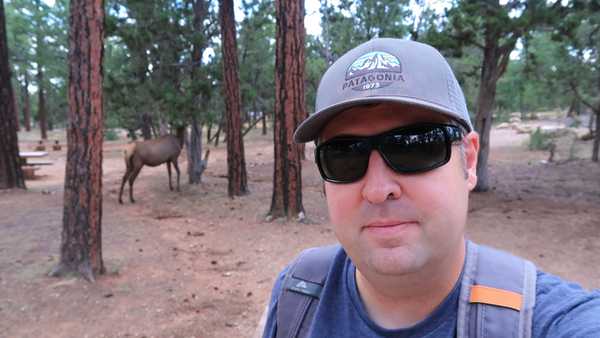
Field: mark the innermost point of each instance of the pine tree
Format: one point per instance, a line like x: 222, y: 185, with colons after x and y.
x: 11, y: 175
x: 495, y: 30
x: 81, y: 245
x: 236, y: 164
x: 289, y: 109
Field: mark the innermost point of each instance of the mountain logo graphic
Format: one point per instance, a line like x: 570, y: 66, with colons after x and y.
x: 373, y: 70
x: 302, y: 285
x: 373, y: 61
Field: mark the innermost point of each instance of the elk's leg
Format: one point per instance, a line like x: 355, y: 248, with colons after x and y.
x: 125, y: 177
x: 176, y: 165
x: 132, y: 177
x: 169, y: 171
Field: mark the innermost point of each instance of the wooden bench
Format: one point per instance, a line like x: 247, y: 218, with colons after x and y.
x: 29, y: 171
x: 29, y: 167
x: 38, y: 163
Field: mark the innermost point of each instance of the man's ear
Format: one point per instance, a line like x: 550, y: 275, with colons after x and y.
x: 471, y: 144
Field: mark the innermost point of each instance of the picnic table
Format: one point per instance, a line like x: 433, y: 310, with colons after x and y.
x: 26, y: 155
x: 28, y: 165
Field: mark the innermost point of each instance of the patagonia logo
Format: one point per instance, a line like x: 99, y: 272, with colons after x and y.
x: 373, y: 70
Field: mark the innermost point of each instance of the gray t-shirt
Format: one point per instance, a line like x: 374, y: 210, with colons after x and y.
x: 562, y: 309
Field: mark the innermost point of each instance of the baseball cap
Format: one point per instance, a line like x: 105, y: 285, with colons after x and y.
x: 386, y: 70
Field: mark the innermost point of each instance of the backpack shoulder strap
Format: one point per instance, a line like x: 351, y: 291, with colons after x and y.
x: 301, y: 290
x: 497, y: 295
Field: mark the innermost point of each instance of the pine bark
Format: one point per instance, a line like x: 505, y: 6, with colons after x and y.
x: 11, y: 175
x: 209, y: 131
x: 194, y: 153
x: 483, y: 123
x: 26, y: 104
x: 16, y: 107
x: 289, y: 109
x: 195, y: 165
x: 236, y: 164
x: 596, y: 111
x: 42, y: 112
x: 146, y: 126
x: 596, y: 146
x: 81, y: 245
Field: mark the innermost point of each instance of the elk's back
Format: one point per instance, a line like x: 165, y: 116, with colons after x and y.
x: 158, y: 151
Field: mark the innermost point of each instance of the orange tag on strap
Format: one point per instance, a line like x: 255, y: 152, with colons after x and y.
x: 493, y: 296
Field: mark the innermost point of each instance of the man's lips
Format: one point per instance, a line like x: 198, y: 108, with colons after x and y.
x: 388, y: 224
x: 389, y: 228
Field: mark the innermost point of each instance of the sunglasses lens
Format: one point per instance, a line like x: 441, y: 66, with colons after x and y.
x: 344, y: 160
x: 415, y: 151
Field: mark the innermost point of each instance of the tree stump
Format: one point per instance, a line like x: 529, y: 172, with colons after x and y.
x: 56, y: 146
x: 40, y: 146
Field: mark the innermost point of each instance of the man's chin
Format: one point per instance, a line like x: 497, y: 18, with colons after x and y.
x: 395, y: 261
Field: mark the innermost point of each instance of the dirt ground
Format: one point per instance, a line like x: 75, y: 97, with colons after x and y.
x: 198, y: 264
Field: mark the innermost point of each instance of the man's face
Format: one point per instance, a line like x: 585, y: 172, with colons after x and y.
x: 391, y: 223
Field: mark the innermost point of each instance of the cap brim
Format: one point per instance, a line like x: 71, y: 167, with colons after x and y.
x: 310, y: 128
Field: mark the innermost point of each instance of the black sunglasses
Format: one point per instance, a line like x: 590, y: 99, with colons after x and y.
x: 410, y: 149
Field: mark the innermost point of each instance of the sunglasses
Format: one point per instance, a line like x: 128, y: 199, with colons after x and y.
x: 411, y: 149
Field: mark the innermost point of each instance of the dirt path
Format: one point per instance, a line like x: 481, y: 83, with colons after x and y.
x: 198, y: 264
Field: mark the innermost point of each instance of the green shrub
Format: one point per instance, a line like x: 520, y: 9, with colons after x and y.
x: 111, y: 135
x: 539, y: 140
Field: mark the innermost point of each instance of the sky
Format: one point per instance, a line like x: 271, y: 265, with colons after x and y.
x: 312, y: 19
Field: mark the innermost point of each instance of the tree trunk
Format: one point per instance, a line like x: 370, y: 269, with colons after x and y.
x: 251, y: 126
x: 146, y: 126
x: 195, y: 165
x: 574, y: 108
x: 209, y: 132
x: 236, y: 164
x: 155, y: 130
x: 596, y: 146
x: 131, y: 134
x: 264, y: 123
x: 483, y: 125
x: 218, y: 134
x: 194, y: 153
x: 16, y: 108
x: 42, y: 113
x: 163, y: 128
x: 26, y: 104
x: 81, y: 245
x: 289, y: 109
x: 495, y: 61
x: 11, y: 175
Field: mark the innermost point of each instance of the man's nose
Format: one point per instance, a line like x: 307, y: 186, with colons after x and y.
x: 380, y: 182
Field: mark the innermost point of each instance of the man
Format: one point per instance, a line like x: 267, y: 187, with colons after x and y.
x: 397, y: 151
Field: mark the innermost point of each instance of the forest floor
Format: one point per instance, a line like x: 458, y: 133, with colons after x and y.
x: 199, y: 264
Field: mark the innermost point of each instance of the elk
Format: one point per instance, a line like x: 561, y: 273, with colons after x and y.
x: 151, y: 153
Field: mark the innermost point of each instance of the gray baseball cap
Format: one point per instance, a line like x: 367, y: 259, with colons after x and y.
x: 386, y: 70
